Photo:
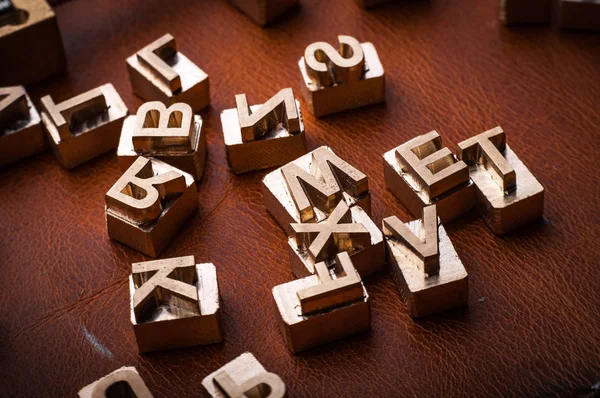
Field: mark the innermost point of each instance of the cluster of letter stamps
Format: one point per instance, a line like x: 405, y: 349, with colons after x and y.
x: 321, y: 202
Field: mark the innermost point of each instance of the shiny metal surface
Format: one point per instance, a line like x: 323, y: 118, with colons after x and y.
x: 175, y: 303
x: 21, y: 133
x: 123, y: 382
x: 342, y: 312
x: 309, y: 188
x: 159, y: 72
x: 502, y: 210
x: 337, y: 81
x: 425, y: 294
x: 85, y: 126
x: 422, y: 172
x: 266, y: 135
x: 243, y: 377
x: 148, y: 204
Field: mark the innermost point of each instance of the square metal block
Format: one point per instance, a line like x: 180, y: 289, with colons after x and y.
x: 31, y: 44
x: 370, y: 89
x: 191, y: 161
x: 579, y: 14
x: 275, y: 148
x: 169, y: 319
x: 371, y: 3
x: 244, y: 376
x: 518, y: 12
x: 263, y: 12
x: 21, y: 133
x: 412, y: 189
x: 367, y: 260
x: 159, y: 72
x: 123, y: 382
x: 282, y: 203
x: 148, y: 223
x: 302, y: 332
x: 84, y: 126
x: 508, y: 195
x: 428, y: 294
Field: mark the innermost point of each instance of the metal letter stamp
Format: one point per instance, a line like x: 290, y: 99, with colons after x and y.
x: 148, y: 204
x: 263, y: 11
x: 371, y: 3
x: 173, y: 135
x: 310, y: 187
x: 21, y: 133
x: 261, y: 136
x: 424, y: 265
x: 159, y: 72
x: 579, y: 14
x: 515, y: 12
x: 123, y: 382
x: 30, y: 42
x: 84, y: 126
x: 421, y: 172
x: 345, y: 230
x: 508, y: 195
x: 334, y: 81
x: 243, y: 377
x: 320, y: 308
x: 175, y: 303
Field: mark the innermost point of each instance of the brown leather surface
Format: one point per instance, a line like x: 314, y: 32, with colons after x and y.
x: 533, y: 324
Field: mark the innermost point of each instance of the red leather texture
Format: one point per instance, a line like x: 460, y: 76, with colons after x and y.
x: 532, y: 327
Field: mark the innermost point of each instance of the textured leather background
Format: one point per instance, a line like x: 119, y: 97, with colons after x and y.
x: 533, y: 324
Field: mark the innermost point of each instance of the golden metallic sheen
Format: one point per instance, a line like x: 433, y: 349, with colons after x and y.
x: 261, y: 136
x: 335, y: 80
x: 148, y: 204
x: 326, y: 306
x: 173, y: 135
x: 508, y: 195
x: 85, y: 126
x: 158, y: 72
x: 123, y: 382
x: 428, y: 274
x: 348, y: 230
x: 21, y: 133
x: 310, y: 187
x: 421, y: 172
x: 243, y: 377
x: 174, y: 303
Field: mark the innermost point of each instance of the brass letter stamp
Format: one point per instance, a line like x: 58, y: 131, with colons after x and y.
x: 84, y: 126
x: 21, y: 133
x: 261, y: 136
x: 329, y: 305
x: 508, y: 195
x: 514, y: 12
x: 243, y: 377
x: 174, y: 303
x: 345, y: 230
x: 30, y: 43
x: 310, y: 187
x: 263, y: 11
x: 371, y: 3
x: 579, y: 14
x: 334, y: 81
x: 420, y: 173
x: 148, y: 204
x: 173, y: 135
x: 424, y: 264
x: 158, y: 72
x: 122, y: 383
